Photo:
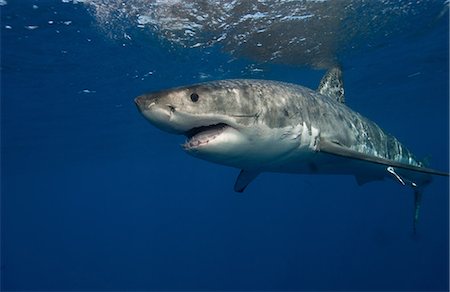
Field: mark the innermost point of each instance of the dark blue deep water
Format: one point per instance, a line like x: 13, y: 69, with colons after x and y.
x: 93, y: 197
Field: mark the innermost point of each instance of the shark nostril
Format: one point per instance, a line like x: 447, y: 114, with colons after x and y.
x: 171, y: 108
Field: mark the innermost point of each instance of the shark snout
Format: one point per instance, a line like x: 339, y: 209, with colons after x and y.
x: 158, y: 114
x: 144, y: 102
x: 139, y: 101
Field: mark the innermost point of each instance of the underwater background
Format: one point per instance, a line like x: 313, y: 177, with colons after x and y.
x: 93, y: 197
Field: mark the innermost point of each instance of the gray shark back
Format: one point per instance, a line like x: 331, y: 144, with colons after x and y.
x: 280, y: 105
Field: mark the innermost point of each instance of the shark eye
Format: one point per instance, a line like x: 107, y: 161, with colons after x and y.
x: 194, y: 97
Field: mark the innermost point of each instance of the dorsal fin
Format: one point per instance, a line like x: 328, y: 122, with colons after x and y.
x: 332, y: 84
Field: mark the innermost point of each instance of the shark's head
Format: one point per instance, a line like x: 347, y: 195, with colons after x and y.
x: 214, y: 116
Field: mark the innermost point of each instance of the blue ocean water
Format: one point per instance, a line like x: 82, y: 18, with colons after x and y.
x: 95, y: 198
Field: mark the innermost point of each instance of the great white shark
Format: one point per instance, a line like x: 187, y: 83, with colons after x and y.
x: 270, y: 126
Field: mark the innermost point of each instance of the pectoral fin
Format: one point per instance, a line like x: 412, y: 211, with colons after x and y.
x: 244, y: 179
x: 342, y: 151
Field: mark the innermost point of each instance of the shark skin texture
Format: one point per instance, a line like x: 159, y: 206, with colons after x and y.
x: 271, y: 126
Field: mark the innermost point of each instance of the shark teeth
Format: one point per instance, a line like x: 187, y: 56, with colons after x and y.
x: 203, y: 135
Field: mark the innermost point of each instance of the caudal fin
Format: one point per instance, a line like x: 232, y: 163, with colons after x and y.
x: 417, y: 202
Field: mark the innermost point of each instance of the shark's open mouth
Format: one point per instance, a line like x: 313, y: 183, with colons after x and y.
x: 203, y: 135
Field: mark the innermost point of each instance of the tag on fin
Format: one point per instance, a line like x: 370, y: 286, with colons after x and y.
x: 391, y: 170
x: 244, y: 179
x: 332, y: 85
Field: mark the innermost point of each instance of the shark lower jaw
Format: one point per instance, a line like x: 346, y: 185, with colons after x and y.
x: 200, y: 137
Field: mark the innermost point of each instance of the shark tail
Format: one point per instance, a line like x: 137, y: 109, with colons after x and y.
x: 417, y: 203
